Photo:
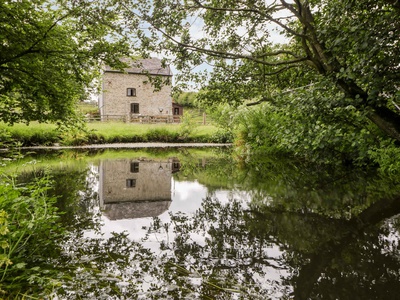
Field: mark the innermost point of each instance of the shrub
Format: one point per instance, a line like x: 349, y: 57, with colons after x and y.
x: 188, y: 125
x: 28, y: 227
x: 222, y: 136
x: 161, y: 135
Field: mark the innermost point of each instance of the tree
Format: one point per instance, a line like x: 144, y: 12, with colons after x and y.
x: 50, y: 54
x: 353, y: 46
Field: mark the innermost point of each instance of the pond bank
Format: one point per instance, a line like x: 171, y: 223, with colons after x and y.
x: 131, y: 146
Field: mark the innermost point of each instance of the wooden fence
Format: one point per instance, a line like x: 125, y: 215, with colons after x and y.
x: 135, y: 119
x: 140, y: 119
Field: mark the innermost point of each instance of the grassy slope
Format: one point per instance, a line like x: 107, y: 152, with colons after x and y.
x: 104, y: 132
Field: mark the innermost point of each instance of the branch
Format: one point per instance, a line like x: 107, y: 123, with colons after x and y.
x: 276, y: 53
x: 271, y: 99
x: 271, y: 8
x: 40, y: 39
x: 263, y: 99
x: 227, y: 55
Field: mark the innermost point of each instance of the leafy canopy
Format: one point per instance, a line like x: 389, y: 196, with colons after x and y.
x: 351, y: 46
x: 50, y: 54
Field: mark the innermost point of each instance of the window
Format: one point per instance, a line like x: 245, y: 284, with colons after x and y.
x: 134, y: 167
x: 176, y: 111
x: 131, y: 92
x: 131, y: 183
x: 134, y: 108
x: 176, y: 167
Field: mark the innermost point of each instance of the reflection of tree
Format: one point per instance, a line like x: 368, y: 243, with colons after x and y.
x: 75, y: 189
x: 332, y: 190
x: 218, y: 252
x: 97, y: 268
x: 327, y: 258
x: 309, y: 233
x: 354, y: 258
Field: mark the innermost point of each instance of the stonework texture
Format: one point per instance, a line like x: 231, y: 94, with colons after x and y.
x: 150, y: 180
x: 117, y: 104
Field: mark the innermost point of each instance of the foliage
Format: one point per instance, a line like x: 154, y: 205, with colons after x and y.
x: 51, y: 52
x: 307, y: 127
x: 34, y: 134
x: 29, y: 229
x: 387, y: 155
x: 222, y: 136
x: 75, y: 135
x: 186, y: 99
x: 223, y: 117
x: 323, y: 63
x: 5, y: 138
x: 187, y: 126
x: 161, y: 135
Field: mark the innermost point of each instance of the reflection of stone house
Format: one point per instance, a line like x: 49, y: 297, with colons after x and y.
x: 135, y: 188
x: 129, y: 95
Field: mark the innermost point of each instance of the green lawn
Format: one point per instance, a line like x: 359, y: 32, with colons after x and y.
x: 104, y: 132
x: 110, y: 129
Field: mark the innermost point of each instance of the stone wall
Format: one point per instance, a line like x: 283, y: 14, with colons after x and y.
x: 115, y: 101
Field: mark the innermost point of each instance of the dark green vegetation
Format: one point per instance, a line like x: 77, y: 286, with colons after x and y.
x: 313, y: 79
x: 186, y: 99
x: 313, y: 115
x: 51, y: 53
x: 325, y: 74
x: 29, y: 227
x: 326, y: 233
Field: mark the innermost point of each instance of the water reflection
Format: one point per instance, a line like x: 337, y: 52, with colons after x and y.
x: 264, y: 229
x: 136, y: 188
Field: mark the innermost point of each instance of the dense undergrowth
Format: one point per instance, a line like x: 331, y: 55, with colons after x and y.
x: 28, y: 228
x: 271, y: 131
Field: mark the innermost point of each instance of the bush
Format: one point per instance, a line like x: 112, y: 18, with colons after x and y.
x: 186, y: 99
x: 34, y: 134
x: 271, y: 129
x: 161, y: 135
x: 28, y: 227
x: 222, y: 136
x: 188, y: 125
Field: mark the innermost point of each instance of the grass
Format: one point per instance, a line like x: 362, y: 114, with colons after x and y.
x: 110, y: 130
x: 104, y: 132
x: 88, y: 107
x: 32, y: 134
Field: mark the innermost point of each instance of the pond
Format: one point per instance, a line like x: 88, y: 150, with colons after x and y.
x: 206, y: 224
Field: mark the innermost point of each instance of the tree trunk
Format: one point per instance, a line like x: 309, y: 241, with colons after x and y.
x: 387, y: 120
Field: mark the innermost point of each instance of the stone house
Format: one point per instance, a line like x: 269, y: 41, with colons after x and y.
x: 131, y: 96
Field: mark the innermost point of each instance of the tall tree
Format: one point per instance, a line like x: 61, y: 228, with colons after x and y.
x: 50, y: 54
x: 352, y: 45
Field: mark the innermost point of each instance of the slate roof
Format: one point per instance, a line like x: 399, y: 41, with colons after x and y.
x: 150, y: 66
x: 136, y: 209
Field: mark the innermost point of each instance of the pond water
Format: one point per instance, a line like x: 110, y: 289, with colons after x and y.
x: 204, y: 224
